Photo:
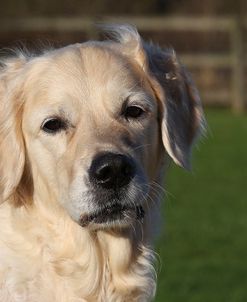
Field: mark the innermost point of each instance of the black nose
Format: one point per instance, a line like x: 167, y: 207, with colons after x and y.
x: 112, y: 171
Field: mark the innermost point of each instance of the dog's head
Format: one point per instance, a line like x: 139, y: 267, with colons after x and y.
x: 86, y: 127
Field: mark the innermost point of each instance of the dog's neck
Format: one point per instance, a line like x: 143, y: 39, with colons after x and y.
x: 115, y: 264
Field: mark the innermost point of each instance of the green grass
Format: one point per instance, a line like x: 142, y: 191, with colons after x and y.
x: 203, y: 244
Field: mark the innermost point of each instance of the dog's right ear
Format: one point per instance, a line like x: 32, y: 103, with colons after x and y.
x: 12, y: 155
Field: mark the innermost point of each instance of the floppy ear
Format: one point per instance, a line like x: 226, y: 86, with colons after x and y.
x: 181, y: 112
x: 182, y: 116
x: 12, y: 157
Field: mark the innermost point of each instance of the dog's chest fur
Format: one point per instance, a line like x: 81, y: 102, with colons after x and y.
x: 59, y: 261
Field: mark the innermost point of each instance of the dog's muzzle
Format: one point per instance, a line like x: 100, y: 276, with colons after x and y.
x: 110, y: 175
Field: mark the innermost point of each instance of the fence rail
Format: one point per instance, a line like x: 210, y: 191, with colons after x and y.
x: 234, y: 58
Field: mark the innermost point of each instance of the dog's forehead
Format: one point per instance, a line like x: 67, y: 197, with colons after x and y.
x: 80, y: 80
x: 90, y: 73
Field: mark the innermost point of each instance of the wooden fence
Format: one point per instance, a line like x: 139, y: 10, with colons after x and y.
x: 233, y: 58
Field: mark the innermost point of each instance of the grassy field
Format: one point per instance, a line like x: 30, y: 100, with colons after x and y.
x: 203, y: 244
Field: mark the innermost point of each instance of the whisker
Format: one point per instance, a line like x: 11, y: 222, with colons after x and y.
x: 141, y: 146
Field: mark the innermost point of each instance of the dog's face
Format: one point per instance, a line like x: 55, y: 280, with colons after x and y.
x: 93, y: 121
x: 89, y: 129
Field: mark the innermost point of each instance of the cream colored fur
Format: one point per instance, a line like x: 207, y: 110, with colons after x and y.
x: 45, y: 255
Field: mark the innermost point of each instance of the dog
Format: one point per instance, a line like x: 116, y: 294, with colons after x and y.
x: 86, y: 134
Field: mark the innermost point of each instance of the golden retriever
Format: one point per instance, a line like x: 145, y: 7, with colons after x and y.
x: 85, y: 132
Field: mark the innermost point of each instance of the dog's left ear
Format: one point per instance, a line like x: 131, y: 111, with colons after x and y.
x: 181, y: 115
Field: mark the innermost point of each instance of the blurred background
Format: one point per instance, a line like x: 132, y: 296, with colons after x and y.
x: 202, y: 245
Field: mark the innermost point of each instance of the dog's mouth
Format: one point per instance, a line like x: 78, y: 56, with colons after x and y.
x: 113, y: 213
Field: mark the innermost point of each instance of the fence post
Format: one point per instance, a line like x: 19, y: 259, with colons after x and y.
x: 238, y: 103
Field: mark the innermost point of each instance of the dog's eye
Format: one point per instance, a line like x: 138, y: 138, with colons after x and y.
x: 133, y: 112
x: 54, y: 125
